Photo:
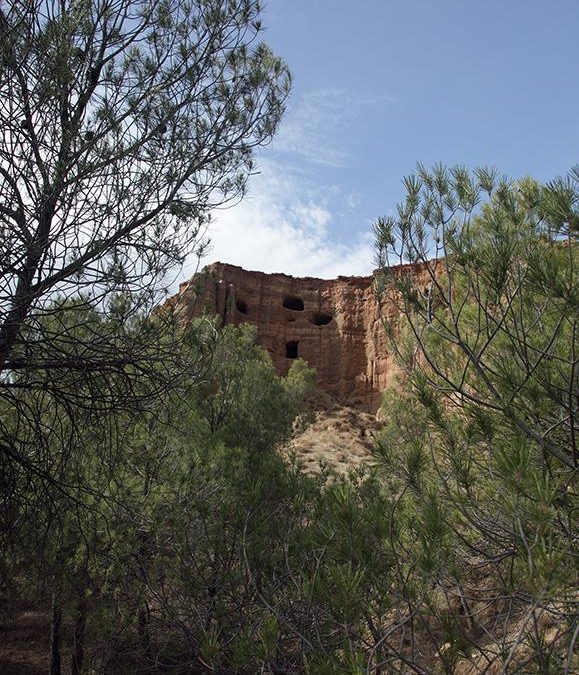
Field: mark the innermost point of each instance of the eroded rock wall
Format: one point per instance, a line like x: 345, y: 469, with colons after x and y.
x: 333, y: 324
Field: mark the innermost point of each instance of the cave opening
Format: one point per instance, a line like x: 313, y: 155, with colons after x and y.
x: 241, y: 306
x: 321, y: 319
x: 291, y: 349
x: 294, y: 303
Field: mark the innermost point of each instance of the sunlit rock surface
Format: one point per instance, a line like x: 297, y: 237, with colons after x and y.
x: 334, y: 325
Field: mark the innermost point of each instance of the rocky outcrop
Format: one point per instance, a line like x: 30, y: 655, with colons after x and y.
x: 333, y: 324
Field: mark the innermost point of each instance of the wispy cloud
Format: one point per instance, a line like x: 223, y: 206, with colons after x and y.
x: 317, y: 122
x: 285, y: 225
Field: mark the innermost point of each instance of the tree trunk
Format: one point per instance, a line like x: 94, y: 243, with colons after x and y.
x: 79, y: 632
x: 144, y: 638
x: 55, y: 624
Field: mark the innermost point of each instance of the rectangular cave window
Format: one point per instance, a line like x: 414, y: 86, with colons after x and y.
x: 291, y: 349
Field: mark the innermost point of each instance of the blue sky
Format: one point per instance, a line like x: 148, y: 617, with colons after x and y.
x: 380, y: 85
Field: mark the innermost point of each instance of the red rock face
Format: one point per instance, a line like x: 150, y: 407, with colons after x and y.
x: 333, y: 324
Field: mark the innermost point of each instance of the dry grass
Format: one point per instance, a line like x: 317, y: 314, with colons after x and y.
x: 334, y: 433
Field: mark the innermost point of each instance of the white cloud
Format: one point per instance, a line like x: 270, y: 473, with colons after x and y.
x: 285, y: 225
x: 287, y: 221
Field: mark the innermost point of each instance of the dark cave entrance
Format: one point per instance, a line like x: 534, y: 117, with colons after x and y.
x: 291, y: 349
x: 322, y: 319
x: 294, y: 303
x: 241, y: 306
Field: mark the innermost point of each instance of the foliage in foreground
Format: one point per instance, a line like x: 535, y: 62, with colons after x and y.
x: 179, y: 540
x: 483, y: 443
x: 145, y: 528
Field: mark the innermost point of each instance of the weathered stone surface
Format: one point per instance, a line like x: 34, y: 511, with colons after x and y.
x: 333, y: 324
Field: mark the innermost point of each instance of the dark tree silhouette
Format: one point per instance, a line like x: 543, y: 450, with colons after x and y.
x: 123, y: 123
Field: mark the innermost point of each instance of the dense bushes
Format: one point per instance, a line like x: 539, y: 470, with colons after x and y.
x: 195, y: 547
x: 177, y: 539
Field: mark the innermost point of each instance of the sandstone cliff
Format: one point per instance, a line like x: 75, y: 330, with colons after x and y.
x: 333, y: 324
